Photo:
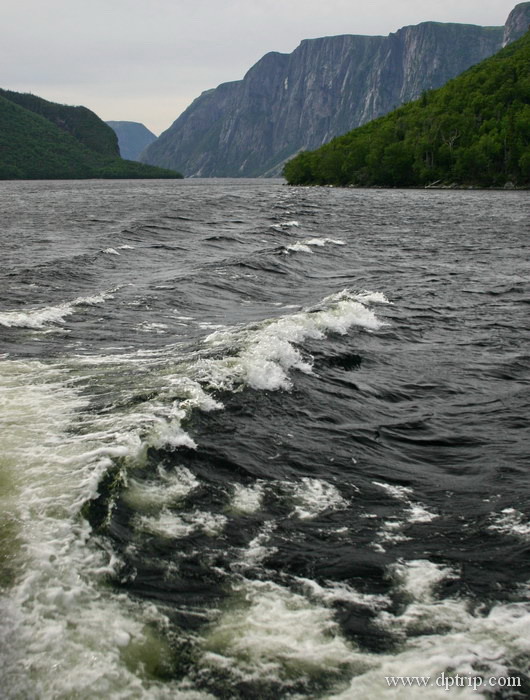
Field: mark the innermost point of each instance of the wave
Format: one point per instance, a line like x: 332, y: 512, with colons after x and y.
x: 305, y: 246
x: 278, y: 635
x: 260, y: 357
x: 267, y: 353
x: 57, y: 611
x: 40, y: 318
x: 285, y: 225
x: 284, y: 637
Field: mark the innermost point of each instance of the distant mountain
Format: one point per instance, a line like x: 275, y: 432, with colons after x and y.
x: 292, y: 102
x: 133, y: 137
x: 473, y: 131
x: 45, y: 140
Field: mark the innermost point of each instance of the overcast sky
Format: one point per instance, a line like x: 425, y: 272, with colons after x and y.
x: 146, y: 60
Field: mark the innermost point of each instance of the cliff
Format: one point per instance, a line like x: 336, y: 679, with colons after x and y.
x: 292, y: 102
x: 517, y: 23
x: 472, y: 131
x: 133, y: 138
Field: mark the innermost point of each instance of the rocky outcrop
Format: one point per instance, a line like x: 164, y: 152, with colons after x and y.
x: 326, y: 87
x: 517, y: 23
x: 133, y: 137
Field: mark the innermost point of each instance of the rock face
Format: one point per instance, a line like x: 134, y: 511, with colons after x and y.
x: 133, y: 137
x: 517, y: 23
x: 326, y: 87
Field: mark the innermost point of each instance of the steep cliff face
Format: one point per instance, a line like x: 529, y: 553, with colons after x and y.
x: 133, y: 137
x: 425, y: 57
x: 326, y: 87
x: 517, y: 23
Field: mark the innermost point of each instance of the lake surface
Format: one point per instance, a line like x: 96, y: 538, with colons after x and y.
x: 261, y: 441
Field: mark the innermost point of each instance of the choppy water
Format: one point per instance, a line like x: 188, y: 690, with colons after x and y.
x: 260, y: 441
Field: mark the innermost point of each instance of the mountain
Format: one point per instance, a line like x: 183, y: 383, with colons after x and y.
x: 473, y: 131
x: 133, y: 137
x: 517, y: 23
x: 85, y: 126
x: 292, y: 102
x: 45, y: 140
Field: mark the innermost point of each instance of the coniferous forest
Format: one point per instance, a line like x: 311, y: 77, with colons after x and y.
x: 473, y: 131
x: 45, y: 140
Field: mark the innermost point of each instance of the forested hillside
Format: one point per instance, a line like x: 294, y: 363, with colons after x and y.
x: 80, y: 122
x: 473, y: 131
x: 44, y: 140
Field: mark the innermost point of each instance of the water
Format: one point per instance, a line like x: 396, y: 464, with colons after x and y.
x: 260, y: 441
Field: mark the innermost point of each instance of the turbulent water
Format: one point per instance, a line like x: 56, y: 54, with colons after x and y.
x: 261, y: 441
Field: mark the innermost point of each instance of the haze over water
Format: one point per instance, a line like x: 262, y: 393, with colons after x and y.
x: 262, y: 441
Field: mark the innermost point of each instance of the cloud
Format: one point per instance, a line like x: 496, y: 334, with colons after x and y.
x: 131, y: 59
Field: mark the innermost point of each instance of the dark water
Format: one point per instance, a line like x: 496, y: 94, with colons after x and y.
x: 261, y: 441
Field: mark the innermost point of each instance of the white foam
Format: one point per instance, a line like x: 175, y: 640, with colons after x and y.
x: 39, y: 318
x: 314, y: 496
x: 166, y: 430
x: 441, y: 636
x: 419, y: 577
x: 391, y: 530
x: 399, y: 492
x: 323, y: 241
x: 264, y: 355
x: 258, y: 548
x: 73, y: 634
x: 334, y: 591
x: 210, y: 326
x: 154, y: 422
x: 259, y: 356
x: 247, y: 499
x: 271, y: 631
x: 158, y: 328
x: 285, y: 224
x: 111, y: 251
x: 417, y: 513
x: 268, y: 352
x: 299, y: 248
x: 168, y: 489
x: 305, y: 245
x: 511, y: 522
x: 191, y: 394
x: 368, y: 297
x: 61, y: 618
x: 36, y: 318
x: 177, y: 525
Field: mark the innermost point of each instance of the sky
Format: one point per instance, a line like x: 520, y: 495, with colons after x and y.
x: 147, y: 60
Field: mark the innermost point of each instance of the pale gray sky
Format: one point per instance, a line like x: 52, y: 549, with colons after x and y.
x: 146, y: 60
